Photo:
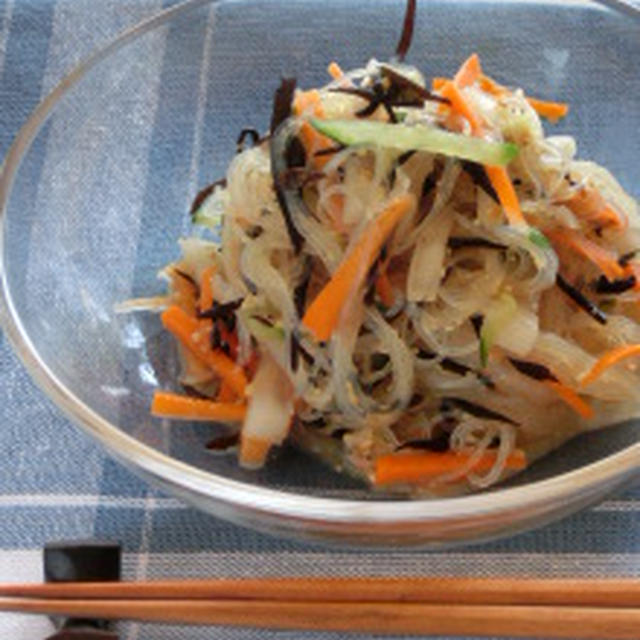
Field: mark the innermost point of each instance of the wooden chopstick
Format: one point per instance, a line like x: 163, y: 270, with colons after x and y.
x: 584, y: 623
x: 608, y: 593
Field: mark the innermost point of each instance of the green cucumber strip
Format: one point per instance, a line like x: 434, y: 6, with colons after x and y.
x: 207, y: 220
x: 262, y: 332
x: 499, y: 314
x: 538, y: 238
x: 484, y: 353
x: 419, y: 137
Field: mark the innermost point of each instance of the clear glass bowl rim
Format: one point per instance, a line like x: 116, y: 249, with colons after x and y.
x: 575, y: 487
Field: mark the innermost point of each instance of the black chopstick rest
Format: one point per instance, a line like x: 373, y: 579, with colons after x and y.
x: 82, y: 561
x: 90, y: 561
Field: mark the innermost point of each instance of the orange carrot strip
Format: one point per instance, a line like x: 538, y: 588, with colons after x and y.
x: 191, y: 335
x: 206, y: 288
x: 469, y: 72
x: 226, y: 393
x: 460, y: 105
x: 506, y: 194
x: 253, y: 451
x: 173, y: 405
x: 438, y: 83
x: 497, y: 175
x: 323, y: 314
x: 608, y: 360
x: 552, y: 111
x: 491, y: 86
x: 604, y: 259
x: 384, y: 289
x: 311, y: 141
x: 589, y: 205
x: 609, y: 215
x: 335, y: 212
x: 309, y: 103
x: 415, y: 467
x: 335, y: 71
x: 570, y: 397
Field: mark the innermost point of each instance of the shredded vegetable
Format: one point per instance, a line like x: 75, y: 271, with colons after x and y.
x: 335, y: 71
x: 418, y: 467
x: 608, y: 360
x: 269, y: 413
x: 323, y: 314
x: 605, y: 259
x: 206, y: 288
x: 469, y: 72
x: 419, y: 285
x: 589, y: 205
x: 178, y: 407
x: 506, y: 194
x: 405, y: 138
x: 188, y: 331
x: 571, y: 398
x: 552, y: 111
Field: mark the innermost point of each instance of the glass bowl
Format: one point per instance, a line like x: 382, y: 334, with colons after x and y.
x: 95, y: 190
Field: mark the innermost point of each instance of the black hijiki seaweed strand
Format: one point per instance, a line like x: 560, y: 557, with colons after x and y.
x: 437, y: 444
x: 407, y: 30
x: 626, y: 258
x: 220, y: 310
x: 282, y: 110
x: 282, y: 103
x: 215, y: 337
x: 405, y: 157
x: 203, y: 194
x: 474, y: 409
x: 428, y: 184
x: 533, y: 370
x: 453, y: 366
x: 604, y: 285
x: 479, y: 177
x: 404, y: 92
x: 390, y: 90
x: 329, y: 151
x: 581, y: 300
x: 189, y: 279
x: 476, y: 242
x: 398, y: 162
x: 458, y: 368
x: 251, y: 133
x: 224, y: 442
x: 379, y: 97
x: 294, y: 352
x: 295, y: 154
x: 300, y: 290
x: 477, y: 320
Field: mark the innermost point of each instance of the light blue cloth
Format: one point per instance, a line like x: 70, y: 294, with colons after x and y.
x: 55, y: 483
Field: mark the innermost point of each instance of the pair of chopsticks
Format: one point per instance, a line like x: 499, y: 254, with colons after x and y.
x: 578, y: 609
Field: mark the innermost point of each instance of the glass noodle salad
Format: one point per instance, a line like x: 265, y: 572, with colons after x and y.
x: 412, y: 281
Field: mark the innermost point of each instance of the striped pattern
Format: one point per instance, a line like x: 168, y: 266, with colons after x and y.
x: 39, y: 40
